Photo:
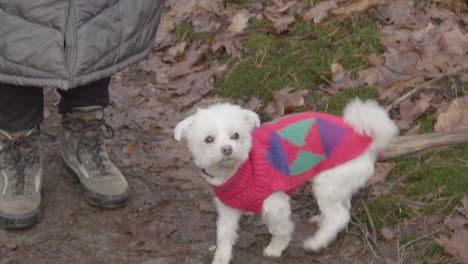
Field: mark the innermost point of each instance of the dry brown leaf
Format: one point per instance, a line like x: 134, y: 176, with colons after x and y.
x: 455, y: 117
x: 338, y: 72
x: 285, y: 99
x: 205, y: 22
x: 174, y: 52
x: 239, y: 22
x: 358, y: 6
x: 455, y: 41
x: 387, y: 233
x: 410, y: 111
x: 230, y: 42
x: 341, y: 78
x: 319, y: 11
x: 464, y: 206
x: 382, y: 169
x: 395, y: 10
x: 274, y: 13
x: 129, y: 148
x: 457, y: 243
x: 191, y: 58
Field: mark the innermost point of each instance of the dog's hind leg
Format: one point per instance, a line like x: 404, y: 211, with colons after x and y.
x: 333, y: 219
x: 276, y: 213
x: 226, y: 233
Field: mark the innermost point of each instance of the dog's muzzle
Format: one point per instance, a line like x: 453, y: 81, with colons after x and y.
x: 226, y: 150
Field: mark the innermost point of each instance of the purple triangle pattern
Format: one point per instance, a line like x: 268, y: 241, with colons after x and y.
x: 276, y: 156
x: 330, y: 134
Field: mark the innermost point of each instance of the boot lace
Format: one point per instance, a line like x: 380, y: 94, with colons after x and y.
x: 91, y: 135
x: 21, y: 154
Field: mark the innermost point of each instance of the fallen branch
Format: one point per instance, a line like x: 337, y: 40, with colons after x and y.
x: 411, y: 145
x: 416, y: 89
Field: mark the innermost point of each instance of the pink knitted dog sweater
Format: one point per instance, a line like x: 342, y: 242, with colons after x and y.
x: 286, y: 153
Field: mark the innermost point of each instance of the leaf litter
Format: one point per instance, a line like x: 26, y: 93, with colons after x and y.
x: 171, y: 205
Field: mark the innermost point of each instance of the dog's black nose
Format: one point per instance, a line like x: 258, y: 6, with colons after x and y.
x: 227, y: 150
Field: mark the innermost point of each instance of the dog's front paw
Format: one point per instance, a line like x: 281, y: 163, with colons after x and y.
x: 313, y: 244
x: 272, y: 251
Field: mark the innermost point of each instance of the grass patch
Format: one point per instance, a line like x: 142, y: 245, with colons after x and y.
x: 300, y: 59
x: 338, y: 102
x: 386, y: 210
x: 184, y: 32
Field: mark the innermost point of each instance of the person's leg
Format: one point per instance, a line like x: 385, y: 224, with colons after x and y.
x: 92, y: 94
x: 21, y: 112
x: 83, y: 151
x: 21, y: 107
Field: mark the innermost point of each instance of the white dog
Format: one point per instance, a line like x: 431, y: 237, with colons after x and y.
x: 254, y: 168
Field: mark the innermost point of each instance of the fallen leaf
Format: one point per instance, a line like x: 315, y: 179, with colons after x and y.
x: 230, y: 42
x: 191, y: 58
x: 455, y: 41
x: 319, y: 11
x: 387, y: 233
x: 358, y: 6
x: 456, y: 245
x: 206, y: 206
x: 285, y: 99
x: 382, y: 169
x: 174, y: 52
x: 464, y: 208
x: 410, y: 111
x: 239, y: 22
x: 455, y: 117
x: 129, y: 148
x: 274, y: 13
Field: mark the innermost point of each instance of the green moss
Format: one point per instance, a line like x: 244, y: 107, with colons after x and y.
x: 407, y: 238
x: 339, y: 101
x: 184, y: 32
x: 428, y: 120
x: 300, y: 59
x: 431, y: 252
x: 259, y: 42
x: 385, y: 210
x: 435, y: 178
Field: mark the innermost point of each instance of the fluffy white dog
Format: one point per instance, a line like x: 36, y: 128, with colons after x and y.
x: 254, y: 168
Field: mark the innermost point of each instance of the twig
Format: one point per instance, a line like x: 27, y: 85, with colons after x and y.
x: 364, y: 237
x: 421, y: 86
x: 384, y: 256
x: 418, y: 239
x: 371, y: 222
x: 398, y: 245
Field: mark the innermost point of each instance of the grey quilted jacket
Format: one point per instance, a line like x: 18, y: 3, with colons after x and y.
x: 68, y: 43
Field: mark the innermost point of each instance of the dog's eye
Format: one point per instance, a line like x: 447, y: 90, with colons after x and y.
x: 235, y: 136
x: 209, y: 139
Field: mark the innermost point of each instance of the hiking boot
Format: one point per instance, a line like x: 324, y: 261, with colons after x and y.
x: 20, y: 178
x: 84, y: 153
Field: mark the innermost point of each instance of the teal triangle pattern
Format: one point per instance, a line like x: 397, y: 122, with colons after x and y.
x: 304, y: 161
x: 296, y: 133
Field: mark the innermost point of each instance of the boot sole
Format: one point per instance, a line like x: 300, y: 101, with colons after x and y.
x: 95, y: 199
x: 18, y: 222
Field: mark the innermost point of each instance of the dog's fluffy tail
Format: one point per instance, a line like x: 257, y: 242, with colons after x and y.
x: 369, y: 118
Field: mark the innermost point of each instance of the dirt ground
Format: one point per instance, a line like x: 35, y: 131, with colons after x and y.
x: 170, y: 217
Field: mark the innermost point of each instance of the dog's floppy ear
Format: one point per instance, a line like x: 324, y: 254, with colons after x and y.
x: 181, y: 128
x: 252, y: 117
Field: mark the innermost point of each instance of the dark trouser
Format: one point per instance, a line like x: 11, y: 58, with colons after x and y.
x: 22, y: 107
